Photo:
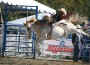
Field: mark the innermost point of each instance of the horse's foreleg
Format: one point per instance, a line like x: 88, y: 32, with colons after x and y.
x: 79, y: 31
x: 48, y: 36
x: 82, y: 32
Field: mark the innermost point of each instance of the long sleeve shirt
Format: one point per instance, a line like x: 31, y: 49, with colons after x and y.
x: 77, y: 38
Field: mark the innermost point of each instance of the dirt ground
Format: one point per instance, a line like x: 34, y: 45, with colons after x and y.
x: 28, y: 61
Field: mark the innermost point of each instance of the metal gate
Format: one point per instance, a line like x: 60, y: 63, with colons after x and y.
x: 14, y: 40
x: 1, y: 38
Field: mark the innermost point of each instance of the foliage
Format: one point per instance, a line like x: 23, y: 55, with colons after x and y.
x: 74, y: 6
x: 13, y: 15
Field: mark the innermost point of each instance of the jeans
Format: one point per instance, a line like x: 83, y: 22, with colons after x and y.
x: 76, y: 52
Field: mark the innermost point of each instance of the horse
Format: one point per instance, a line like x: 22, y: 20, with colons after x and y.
x: 48, y: 30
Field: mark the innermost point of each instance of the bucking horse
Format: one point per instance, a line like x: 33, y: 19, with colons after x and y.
x: 48, y: 30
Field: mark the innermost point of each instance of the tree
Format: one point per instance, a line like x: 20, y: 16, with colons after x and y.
x: 79, y: 6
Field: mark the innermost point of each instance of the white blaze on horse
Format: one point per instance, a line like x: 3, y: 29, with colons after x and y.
x: 49, y: 31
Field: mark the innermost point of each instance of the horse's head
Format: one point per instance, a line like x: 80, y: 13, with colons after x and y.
x: 77, y: 19
x: 74, y: 18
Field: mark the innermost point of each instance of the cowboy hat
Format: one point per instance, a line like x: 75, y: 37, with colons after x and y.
x: 78, y: 27
x: 63, y: 10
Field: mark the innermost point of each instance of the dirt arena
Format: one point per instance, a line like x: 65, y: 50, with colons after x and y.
x: 28, y: 61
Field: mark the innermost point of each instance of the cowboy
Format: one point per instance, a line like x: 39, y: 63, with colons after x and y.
x: 62, y: 14
x: 77, y: 42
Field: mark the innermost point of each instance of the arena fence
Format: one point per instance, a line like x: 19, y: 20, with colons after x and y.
x: 1, y: 39
x: 14, y: 36
x: 16, y: 42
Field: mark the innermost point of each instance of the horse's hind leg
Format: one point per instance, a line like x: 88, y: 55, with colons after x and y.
x: 49, y: 35
x: 37, y: 45
x: 37, y: 49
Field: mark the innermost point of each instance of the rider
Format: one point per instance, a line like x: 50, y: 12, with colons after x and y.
x: 62, y: 14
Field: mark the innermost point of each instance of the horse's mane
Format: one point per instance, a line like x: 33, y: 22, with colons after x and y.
x: 77, y: 19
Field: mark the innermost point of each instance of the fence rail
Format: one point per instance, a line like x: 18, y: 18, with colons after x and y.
x: 16, y: 43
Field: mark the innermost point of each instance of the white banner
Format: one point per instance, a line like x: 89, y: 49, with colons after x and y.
x: 61, y: 48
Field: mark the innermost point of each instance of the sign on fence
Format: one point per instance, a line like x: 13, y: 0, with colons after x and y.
x: 61, y: 49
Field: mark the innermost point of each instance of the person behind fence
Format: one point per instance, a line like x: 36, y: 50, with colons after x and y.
x: 77, y: 41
